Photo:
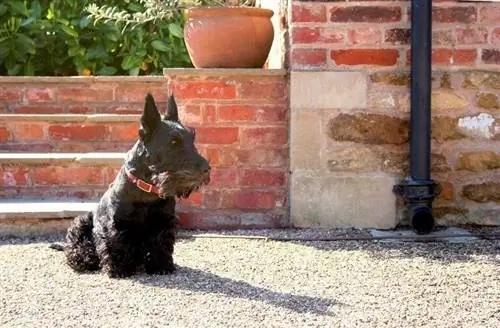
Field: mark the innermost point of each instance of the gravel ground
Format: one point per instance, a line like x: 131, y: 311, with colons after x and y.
x: 225, y: 282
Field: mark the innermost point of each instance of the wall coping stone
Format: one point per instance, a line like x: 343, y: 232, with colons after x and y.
x: 224, y: 72
x: 79, y: 79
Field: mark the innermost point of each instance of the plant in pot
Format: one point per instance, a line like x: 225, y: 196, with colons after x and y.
x: 217, y: 33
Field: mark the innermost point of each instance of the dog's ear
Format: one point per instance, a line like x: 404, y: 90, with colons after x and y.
x: 172, y: 113
x: 149, y: 119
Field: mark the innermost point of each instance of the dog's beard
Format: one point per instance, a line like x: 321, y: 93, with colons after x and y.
x: 180, y: 184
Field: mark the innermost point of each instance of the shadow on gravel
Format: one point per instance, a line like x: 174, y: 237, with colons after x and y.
x: 204, y: 282
x: 435, y: 251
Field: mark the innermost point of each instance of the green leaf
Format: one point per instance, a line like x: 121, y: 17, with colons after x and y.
x: 3, y: 9
x: 36, y: 9
x: 96, y: 53
x: 131, y: 62
x: 159, y: 46
x: 107, y: 70
x: 84, y: 22
x: 175, y: 30
x: 18, y: 8
x: 69, y: 31
x: 76, y: 51
x: 29, y: 69
x: 28, y: 21
x: 134, y: 71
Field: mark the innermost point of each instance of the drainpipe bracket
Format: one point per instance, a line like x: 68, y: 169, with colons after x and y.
x: 417, y: 190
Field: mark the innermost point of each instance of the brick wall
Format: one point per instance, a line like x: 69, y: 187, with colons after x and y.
x: 350, y: 111
x: 241, y: 119
x: 338, y: 34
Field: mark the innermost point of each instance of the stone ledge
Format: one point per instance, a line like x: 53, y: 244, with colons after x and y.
x: 78, y: 118
x: 79, y: 79
x: 170, y: 72
x: 20, y: 209
x: 67, y: 158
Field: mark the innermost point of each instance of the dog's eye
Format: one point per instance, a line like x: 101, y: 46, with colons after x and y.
x: 176, y: 140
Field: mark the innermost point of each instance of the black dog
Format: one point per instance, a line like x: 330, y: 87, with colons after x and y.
x: 134, y: 225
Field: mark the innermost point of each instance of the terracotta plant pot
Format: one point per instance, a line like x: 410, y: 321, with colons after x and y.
x: 228, y: 37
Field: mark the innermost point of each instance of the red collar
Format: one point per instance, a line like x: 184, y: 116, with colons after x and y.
x: 141, y: 184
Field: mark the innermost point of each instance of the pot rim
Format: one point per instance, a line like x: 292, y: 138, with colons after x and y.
x: 227, y: 11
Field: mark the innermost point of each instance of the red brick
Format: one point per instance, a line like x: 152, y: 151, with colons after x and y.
x: 490, y: 56
x: 38, y: 109
x: 191, y: 114
x: 454, y: 14
x: 10, y: 94
x: 443, y: 37
x: 263, y: 90
x: 380, y: 57
x: 307, y: 35
x: 397, y: 36
x: 212, y: 155
x: 81, y: 109
x: 262, y: 157
x: 209, y: 89
x: 262, y: 178
x: 29, y: 131
x: 228, y: 157
x: 85, y: 92
x: 490, y: 14
x: 4, y: 134
x: 13, y: 176
x: 464, y: 56
x: 70, y: 175
x: 124, y: 131
x: 209, y: 114
x: 264, y: 136
x: 257, y: 199
x: 219, y: 135
x: 365, y: 14
x: 77, y: 132
x: 442, y: 56
x: 109, y: 174
x: 223, y: 177
x: 212, y: 199
x: 272, y: 114
x: 472, y: 35
x: 308, y: 57
x: 34, y: 95
x: 365, y: 36
x: 308, y: 13
x: 495, y: 36
x: 136, y: 92
x: 195, y: 199
x: 236, y: 113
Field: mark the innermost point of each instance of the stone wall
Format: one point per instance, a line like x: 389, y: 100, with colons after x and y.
x: 350, y: 110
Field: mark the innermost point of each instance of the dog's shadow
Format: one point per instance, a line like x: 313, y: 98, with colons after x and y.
x: 199, y: 281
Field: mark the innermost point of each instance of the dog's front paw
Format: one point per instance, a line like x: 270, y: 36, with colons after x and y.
x: 118, y: 273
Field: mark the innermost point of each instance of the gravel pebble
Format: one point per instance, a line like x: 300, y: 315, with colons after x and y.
x: 225, y: 282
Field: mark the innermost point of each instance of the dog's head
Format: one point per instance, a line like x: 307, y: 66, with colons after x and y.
x: 167, y: 152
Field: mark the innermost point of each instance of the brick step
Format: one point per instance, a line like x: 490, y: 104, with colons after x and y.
x: 47, y: 217
x: 57, y: 175
x: 67, y: 132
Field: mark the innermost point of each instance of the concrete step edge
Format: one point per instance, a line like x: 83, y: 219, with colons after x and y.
x: 70, y: 118
x: 22, y: 210
x: 97, y: 158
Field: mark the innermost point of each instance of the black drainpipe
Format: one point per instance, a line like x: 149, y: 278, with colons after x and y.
x: 419, y: 190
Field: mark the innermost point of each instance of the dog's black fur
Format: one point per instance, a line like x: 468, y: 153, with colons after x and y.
x: 132, y: 229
